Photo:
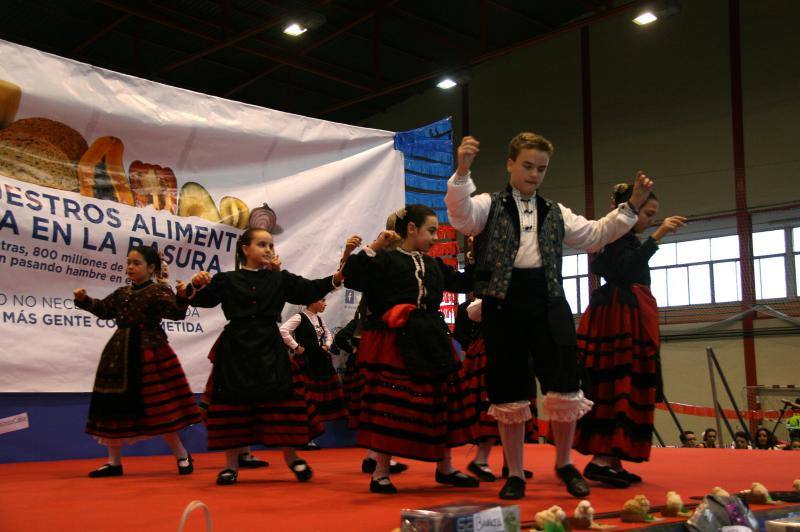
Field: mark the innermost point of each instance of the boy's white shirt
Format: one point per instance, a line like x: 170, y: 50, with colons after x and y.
x: 470, y: 214
x: 292, y: 323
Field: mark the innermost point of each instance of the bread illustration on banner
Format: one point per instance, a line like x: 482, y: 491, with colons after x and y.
x: 153, y: 185
x: 234, y: 212
x: 195, y: 200
x: 42, y: 151
x: 101, y: 171
x: 10, y: 95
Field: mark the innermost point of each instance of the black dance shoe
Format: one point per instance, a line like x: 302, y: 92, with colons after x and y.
x: 528, y: 474
x: 482, y: 472
x: 630, y: 477
x: 514, y: 488
x: 107, y: 470
x: 252, y: 462
x: 457, y: 479
x: 576, y: 485
x: 382, y: 485
x: 606, y: 475
x: 302, y: 473
x: 226, y: 477
x: 187, y: 469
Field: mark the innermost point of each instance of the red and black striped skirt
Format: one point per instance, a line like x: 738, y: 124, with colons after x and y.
x: 352, y: 386
x: 473, y: 373
x: 166, y: 397
x: 291, y: 422
x: 618, y: 345
x: 327, y: 395
x: 405, y: 414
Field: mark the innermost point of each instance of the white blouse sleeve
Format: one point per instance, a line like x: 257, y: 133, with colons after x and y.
x: 593, y: 235
x: 467, y: 214
x: 287, y: 329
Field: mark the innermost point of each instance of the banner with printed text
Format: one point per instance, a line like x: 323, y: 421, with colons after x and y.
x: 93, y: 162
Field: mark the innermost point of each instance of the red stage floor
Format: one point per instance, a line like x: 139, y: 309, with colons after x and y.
x: 151, y: 496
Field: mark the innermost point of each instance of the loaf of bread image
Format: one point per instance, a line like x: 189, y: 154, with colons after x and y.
x: 56, y: 133
x: 41, y: 151
x: 10, y: 95
x: 37, y: 161
x: 101, y: 172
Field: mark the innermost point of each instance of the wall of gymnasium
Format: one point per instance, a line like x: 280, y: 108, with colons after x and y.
x: 661, y: 101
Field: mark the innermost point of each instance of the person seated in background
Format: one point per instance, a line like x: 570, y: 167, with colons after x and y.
x: 793, y: 445
x: 710, y: 438
x: 688, y: 439
x: 740, y: 441
x: 765, y: 440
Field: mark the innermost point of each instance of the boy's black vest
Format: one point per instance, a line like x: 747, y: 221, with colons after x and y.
x: 317, y: 360
x: 496, y: 248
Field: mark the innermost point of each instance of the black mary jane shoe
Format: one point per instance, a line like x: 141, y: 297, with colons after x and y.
x: 368, y: 465
x: 571, y: 477
x: 397, y: 468
x: 630, y: 477
x: 187, y: 469
x: 605, y: 474
x: 481, y: 471
x: 302, y: 473
x: 106, y: 470
x: 226, y: 477
x: 252, y: 463
x: 457, y: 479
x: 514, y: 488
x: 377, y: 485
x: 528, y: 474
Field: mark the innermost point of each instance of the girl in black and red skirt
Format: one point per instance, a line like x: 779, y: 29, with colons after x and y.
x: 618, y: 343
x: 309, y: 338
x: 140, y: 390
x: 255, y: 394
x: 412, y: 402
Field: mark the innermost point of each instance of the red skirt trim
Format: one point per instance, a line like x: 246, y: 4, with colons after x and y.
x: 404, y: 414
x: 618, y: 345
x: 169, y: 404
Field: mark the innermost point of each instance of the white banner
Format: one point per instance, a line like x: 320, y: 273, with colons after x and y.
x: 92, y: 162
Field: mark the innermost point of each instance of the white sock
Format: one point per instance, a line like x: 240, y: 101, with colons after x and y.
x: 115, y: 454
x: 290, y: 456
x: 512, y: 436
x: 174, y: 442
x: 445, y: 466
x: 382, y: 469
x: 484, y: 448
x: 563, y: 436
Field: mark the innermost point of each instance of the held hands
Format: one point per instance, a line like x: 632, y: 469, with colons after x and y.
x: 670, y: 225
x: 180, y: 289
x: 385, y: 239
x: 467, y: 151
x: 79, y: 294
x: 641, y: 189
x: 299, y: 350
x: 201, y: 279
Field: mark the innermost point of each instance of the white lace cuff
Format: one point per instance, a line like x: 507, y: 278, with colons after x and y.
x: 511, y: 413
x: 566, y: 407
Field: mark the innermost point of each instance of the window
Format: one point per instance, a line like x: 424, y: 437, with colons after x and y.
x: 575, y: 271
x: 706, y: 271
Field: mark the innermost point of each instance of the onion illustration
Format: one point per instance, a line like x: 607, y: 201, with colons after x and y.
x: 263, y: 218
